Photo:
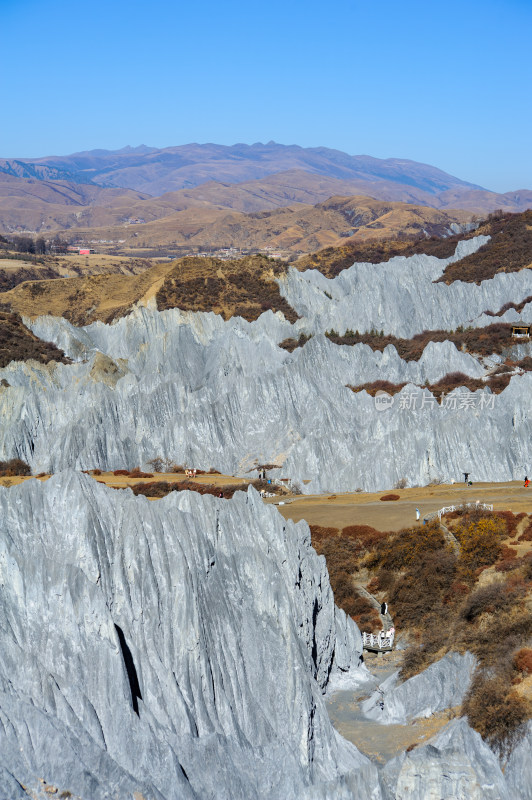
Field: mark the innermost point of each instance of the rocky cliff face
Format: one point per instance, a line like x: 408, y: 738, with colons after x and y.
x: 212, y: 393
x: 180, y: 649
x: 454, y: 764
x: 140, y: 642
x: 401, y: 296
x: 442, y: 685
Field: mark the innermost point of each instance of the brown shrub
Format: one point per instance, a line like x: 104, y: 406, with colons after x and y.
x: 414, y: 661
x: 319, y: 533
x: 340, y: 554
x: 509, y: 565
x: 121, y: 472
x: 292, y: 344
x: 137, y: 473
x: 390, y: 497
x: 332, y: 260
x: 357, y: 607
x: 486, y: 600
x: 248, y: 288
x: 378, y: 386
x: 526, y: 536
x: 480, y: 544
x: 384, y: 580
x: 18, y: 343
x: 400, y: 550
x: 365, y: 534
x: 13, y: 467
x: 497, y: 712
x: 457, y: 591
x: 523, y: 660
x: 507, y: 553
x: 96, y: 472
x: 162, y: 488
x: 418, y: 594
x: 507, y: 306
x: 484, y: 341
x: 508, y: 250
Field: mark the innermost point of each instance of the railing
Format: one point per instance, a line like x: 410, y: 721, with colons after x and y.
x: 379, y: 641
x: 285, y: 482
x: 450, y: 509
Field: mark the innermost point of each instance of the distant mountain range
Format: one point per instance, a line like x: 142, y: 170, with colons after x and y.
x: 155, y: 172
x: 102, y: 188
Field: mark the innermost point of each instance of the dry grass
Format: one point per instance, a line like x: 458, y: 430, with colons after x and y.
x: 342, y: 551
x: 436, y: 598
x: 83, y: 300
x: 14, y: 467
x: 484, y: 341
x: 453, y: 380
x: 497, y: 713
x: 18, y: 343
x: 158, y: 489
x: 244, y: 287
x: 509, y: 250
x: 332, y: 260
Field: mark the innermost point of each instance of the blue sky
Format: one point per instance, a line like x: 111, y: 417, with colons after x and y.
x: 448, y: 84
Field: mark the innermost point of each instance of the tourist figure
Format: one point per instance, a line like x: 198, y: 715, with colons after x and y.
x: 466, y: 477
x: 418, y: 514
x: 527, y: 482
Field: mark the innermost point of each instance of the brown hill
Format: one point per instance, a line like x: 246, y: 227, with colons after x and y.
x: 480, y: 201
x: 83, y: 300
x: 244, y: 287
x: 299, y: 229
x: 16, y: 268
x: 509, y: 250
x: 18, y: 343
x: 45, y: 206
x: 37, y: 205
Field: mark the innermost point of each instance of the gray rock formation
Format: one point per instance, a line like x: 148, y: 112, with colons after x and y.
x: 518, y: 771
x: 178, y: 649
x: 441, y: 686
x: 454, y: 765
x: 206, y: 392
x: 400, y: 296
x: 211, y: 393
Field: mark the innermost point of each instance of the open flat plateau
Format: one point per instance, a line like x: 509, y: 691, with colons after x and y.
x: 366, y: 508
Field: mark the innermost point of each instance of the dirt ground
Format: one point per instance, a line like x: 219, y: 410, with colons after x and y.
x: 379, y: 742
x: 121, y: 481
x: 366, y: 508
